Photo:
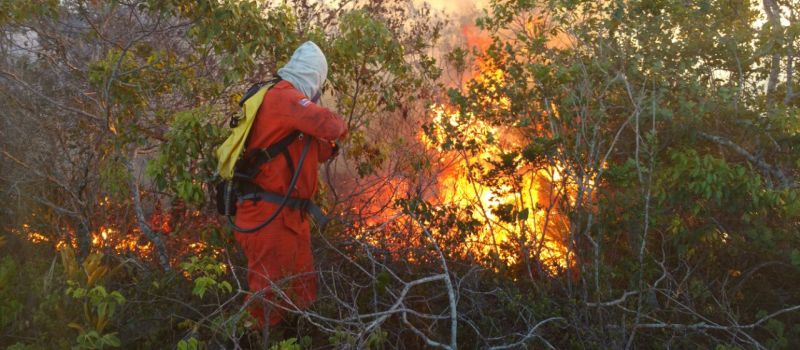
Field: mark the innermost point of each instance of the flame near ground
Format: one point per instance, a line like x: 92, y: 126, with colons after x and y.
x: 125, y: 238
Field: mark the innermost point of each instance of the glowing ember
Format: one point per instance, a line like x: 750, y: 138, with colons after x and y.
x: 121, y: 238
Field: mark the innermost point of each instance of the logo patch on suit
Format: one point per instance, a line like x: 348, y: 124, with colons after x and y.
x: 305, y: 102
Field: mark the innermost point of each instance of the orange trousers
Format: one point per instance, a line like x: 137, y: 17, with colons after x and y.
x: 279, y: 262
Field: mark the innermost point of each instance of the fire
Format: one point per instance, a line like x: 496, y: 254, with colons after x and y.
x: 541, y: 228
x: 535, y: 234
x: 538, y: 231
x: 125, y: 238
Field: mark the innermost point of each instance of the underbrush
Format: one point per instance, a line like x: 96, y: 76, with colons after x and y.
x: 373, y: 298
x: 53, y: 300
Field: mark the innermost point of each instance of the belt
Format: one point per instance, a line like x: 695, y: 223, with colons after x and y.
x: 297, y: 203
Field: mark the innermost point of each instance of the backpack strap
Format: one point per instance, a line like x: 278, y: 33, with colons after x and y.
x: 255, y: 158
x: 250, y: 164
x: 256, y: 87
x: 283, y: 202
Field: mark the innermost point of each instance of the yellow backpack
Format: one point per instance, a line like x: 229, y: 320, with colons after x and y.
x: 230, y: 151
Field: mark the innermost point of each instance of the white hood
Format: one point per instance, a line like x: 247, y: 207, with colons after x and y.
x: 306, y: 70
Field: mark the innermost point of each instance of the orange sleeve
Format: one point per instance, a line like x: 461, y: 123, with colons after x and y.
x: 314, y: 120
x: 326, y: 150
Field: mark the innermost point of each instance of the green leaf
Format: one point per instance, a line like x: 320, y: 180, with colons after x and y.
x: 112, y: 340
x: 794, y: 256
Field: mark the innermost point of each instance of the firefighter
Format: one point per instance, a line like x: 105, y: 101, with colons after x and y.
x: 279, y: 254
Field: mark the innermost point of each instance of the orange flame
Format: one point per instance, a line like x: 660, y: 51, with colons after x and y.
x: 122, y: 238
x: 539, y: 234
x: 540, y: 231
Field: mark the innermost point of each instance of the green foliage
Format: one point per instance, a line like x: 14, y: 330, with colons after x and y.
x: 672, y: 164
x: 101, y: 301
x: 206, y: 273
x: 18, y: 346
x: 657, y: 112
x: 147, y: 80
x: 795, y: 258
x: 287, y: 344
x: 241, y: 32
x: 186, y: 160
x: 711, y: 179
x: 115, y: 178
x: 93, y: 340
x: 191, y: 344
x: 377, y: 339
x: 99, y: 306
x: 371, y: 76
x: 369, y: 153
x: 710, y: 194
x: 16, y: 11
x: 10, y: 306
x: 457, y: 58
x: 341, y: 339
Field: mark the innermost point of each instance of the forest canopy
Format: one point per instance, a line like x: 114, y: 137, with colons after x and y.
x: 537, y: 174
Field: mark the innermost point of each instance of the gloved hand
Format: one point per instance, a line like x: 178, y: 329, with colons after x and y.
x: 335, y: 147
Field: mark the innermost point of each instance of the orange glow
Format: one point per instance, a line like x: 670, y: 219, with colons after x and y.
x: 540, y: 230
x: 544, y: 228
x: 532, y: 234
x: 122, y: 238
x: 475, y: 38
x: 36, y: 237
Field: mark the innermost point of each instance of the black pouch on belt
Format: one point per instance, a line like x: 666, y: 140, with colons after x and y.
x: 226, y: 198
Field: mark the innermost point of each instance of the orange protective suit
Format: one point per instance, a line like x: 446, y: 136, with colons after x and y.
x: 280, y: 253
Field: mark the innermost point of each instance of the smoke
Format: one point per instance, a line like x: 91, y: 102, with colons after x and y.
x: 456, y: 7
x: 460, y: 32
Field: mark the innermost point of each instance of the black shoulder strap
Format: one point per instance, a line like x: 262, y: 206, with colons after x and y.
x: 283, y: 202
x: 256, y: 87
x: 257, y: 157
x: 249, y: 93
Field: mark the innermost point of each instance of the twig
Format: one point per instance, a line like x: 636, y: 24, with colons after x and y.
x: 614, y: 302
